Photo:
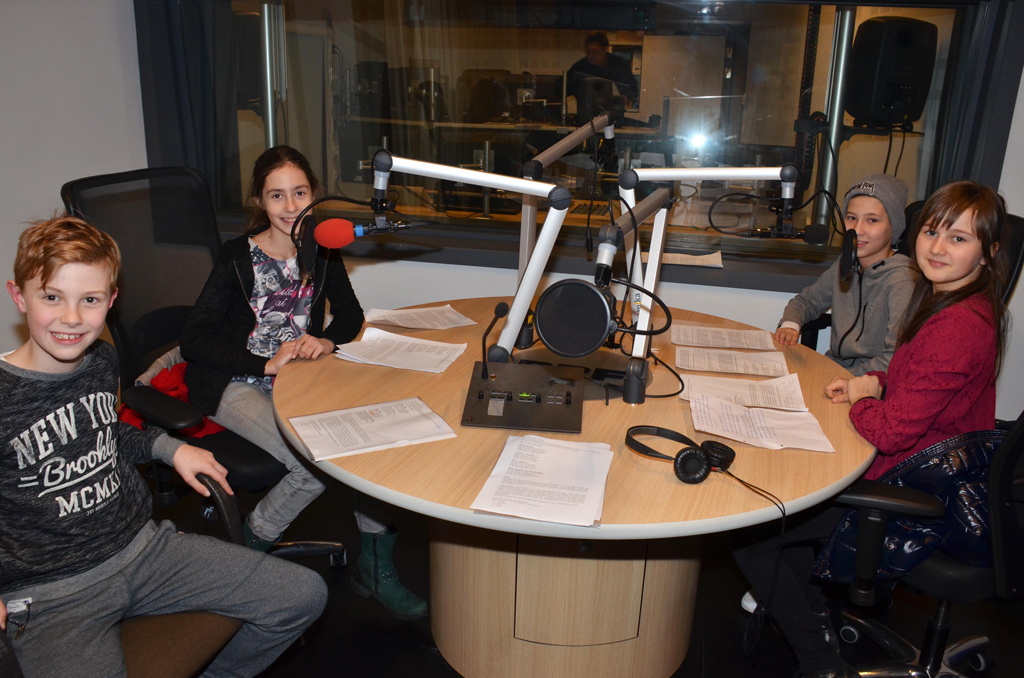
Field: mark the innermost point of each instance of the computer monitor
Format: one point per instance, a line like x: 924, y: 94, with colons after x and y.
x: 595, y: 96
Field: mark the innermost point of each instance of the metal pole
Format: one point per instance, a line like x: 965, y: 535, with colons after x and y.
x: 432, y: 98
x: 828, y: 165
x: 269, y: 99
x: 565, y: 103
x: 487, y: 168
x: 527, y: 234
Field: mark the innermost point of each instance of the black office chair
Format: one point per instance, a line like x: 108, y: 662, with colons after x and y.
x: 1012, y: 241
x: 163, y: 221
x: 8, y: 662
x: 946, y: 578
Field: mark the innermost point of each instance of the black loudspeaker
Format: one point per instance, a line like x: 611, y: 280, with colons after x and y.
x: 890, y: 71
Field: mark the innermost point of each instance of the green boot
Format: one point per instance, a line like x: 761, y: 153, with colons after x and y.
x: 375, y: 576
x: 254, y: 541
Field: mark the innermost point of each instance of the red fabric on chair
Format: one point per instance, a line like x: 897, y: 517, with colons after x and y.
x: 172, y: 382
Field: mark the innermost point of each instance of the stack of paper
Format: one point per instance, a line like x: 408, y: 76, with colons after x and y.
x: 434, y: 318
x: 551, y: 480
x: 782, y: 393
x: 371, y: 427
x: 394, y: 350
x: 760, y: 427
x: 712, y: 337
x: 701, y: 360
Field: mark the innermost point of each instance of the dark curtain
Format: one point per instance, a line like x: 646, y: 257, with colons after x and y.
x: 980, y: 93
x: 187, y: 73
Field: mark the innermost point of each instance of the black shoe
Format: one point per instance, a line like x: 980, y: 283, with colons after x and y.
x: 833, y: 665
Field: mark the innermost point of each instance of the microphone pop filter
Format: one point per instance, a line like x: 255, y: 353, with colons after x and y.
x: 334, y: 233
x: 848, y: 255
x: 501, y: 310
x: 573, y: 318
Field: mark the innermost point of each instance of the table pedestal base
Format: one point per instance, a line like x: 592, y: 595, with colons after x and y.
x: 516, y: 606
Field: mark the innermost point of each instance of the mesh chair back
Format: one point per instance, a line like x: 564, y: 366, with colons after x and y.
x: 1006, y: 512
x: 163, y: 221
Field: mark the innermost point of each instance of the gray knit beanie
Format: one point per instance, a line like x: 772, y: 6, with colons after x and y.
x: 891, y: 191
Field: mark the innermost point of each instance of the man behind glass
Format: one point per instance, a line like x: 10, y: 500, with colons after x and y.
x: 600, y: 64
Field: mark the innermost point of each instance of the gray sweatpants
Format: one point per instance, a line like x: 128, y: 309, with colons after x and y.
x: 72, y: 626
x: 249, y: 412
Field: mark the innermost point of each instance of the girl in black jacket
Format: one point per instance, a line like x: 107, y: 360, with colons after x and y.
x: 256, y: 313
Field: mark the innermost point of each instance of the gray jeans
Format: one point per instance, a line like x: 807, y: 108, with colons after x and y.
x: 247, y: 411
x: 72, y: 626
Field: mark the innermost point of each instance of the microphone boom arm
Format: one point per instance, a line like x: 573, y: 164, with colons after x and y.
x: 635, y: 381
x: 558, y: 197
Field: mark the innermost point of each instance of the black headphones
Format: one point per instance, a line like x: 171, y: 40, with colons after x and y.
x: 692, y: 463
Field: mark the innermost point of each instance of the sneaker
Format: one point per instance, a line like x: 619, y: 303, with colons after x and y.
x: 749, y: 602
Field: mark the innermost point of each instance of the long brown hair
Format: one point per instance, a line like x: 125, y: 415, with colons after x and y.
x: 270, y: 160
x: 941, y: 211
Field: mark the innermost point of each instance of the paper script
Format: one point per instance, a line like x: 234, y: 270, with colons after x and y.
x: 773, y: 429
x: 702, y: 360
x: 433, y: 318
x: 781, y: 393
x: 371, y: 427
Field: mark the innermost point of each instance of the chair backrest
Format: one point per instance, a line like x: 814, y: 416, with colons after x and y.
x: 1012, y: 242
x: 8, y: 662
x: 163, y: 221
x: 911, y: 215
x: 1006, y: 512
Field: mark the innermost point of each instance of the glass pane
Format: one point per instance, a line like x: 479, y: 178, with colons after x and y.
x: 490, y: 85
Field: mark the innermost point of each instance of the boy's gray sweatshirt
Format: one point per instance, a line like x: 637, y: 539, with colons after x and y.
x: 867, y: 312
x: 69, y: 495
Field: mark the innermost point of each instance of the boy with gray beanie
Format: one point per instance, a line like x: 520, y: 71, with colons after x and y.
x: 868, y: 311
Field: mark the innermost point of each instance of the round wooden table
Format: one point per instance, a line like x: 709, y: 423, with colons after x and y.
x: 519, y: 598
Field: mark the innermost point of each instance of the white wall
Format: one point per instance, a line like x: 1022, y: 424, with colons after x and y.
x: 70, y: 107
x: 1011, y: 185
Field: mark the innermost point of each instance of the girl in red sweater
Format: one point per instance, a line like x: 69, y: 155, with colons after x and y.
x: 940, y: 383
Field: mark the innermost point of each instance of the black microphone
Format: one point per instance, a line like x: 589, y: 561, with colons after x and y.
x: 848, y: 261
x: 500, y: 311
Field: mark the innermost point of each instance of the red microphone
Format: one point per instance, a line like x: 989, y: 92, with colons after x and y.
x: 334, y: 233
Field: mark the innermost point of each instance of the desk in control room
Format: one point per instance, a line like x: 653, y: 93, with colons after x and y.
x: 514, y: 598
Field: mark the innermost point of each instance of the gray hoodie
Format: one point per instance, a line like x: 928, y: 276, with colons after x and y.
x: 867, y: 312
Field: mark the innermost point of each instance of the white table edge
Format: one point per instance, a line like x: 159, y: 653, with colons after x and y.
x: 491, y: 521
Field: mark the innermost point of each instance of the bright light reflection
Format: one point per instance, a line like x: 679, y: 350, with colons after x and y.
x: 698, y: 140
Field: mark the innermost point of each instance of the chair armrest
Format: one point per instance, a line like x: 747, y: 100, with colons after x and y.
x: 893, y: 498
x: 227, y: 508
x: 8, y: 662
x: 874, y: 502
x: 809, y: 330
x: 160, y: 408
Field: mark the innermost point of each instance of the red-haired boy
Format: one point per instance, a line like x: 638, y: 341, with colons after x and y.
x: 79, y: 552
